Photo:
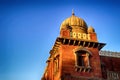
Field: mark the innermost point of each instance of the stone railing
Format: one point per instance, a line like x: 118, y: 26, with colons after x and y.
x: 109, y: 54
x: 113, y: 75
x: 82, y: 68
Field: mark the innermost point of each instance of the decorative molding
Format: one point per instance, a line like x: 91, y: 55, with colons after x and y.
x: 80, y: 42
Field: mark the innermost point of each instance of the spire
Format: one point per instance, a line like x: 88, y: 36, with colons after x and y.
x: 73, y: 12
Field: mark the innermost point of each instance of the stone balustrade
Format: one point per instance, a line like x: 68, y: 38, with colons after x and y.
x: 109, y: 54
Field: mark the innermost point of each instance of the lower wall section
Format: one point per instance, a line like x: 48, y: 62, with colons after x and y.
x: 73, y: 77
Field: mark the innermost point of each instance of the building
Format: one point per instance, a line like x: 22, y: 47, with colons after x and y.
x: 77, y: 55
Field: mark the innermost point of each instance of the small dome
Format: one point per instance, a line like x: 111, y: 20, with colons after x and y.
x: 91, y: 29
x: 74, y: 22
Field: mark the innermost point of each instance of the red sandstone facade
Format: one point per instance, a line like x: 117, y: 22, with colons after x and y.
x: 76, y: 55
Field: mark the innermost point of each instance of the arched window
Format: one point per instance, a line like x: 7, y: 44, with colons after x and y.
x: 82, y: 58
x: 82, y: 62
x: 56, y: 64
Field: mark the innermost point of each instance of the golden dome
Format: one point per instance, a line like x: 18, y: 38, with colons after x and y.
x: 91, y: 30
x: 75, y: 23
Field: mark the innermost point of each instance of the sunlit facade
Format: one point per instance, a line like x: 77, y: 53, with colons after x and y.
x: 77, y: 55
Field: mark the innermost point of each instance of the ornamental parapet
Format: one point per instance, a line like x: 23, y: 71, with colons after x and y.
x: 109, y: 54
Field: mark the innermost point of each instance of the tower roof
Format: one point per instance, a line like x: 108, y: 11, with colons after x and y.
x: 74, y: 22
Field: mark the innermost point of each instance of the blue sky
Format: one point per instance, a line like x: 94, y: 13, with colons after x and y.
x: 28, y: 29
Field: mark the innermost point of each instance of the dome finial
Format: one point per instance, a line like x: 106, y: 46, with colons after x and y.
x: 73, y: 12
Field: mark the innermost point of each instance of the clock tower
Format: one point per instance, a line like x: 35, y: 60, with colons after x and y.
x: 75, y: 54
